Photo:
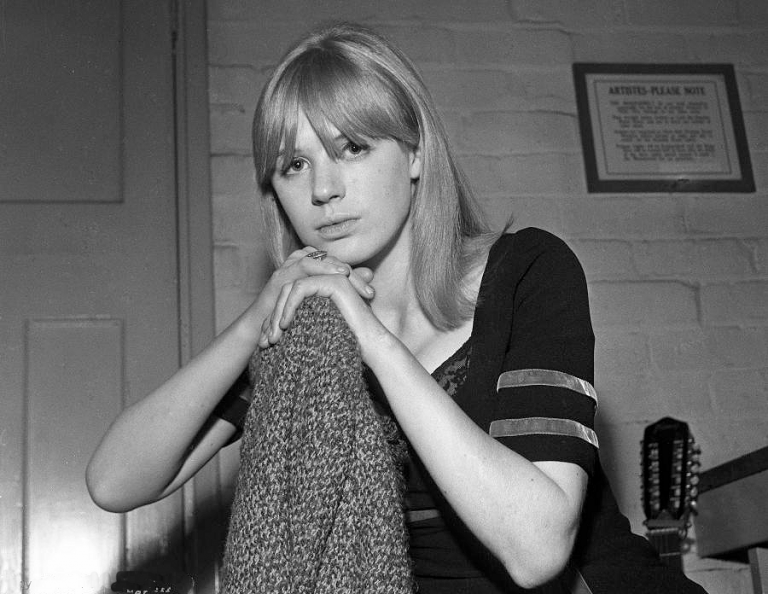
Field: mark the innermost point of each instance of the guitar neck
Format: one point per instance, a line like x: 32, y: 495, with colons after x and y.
x: 666, y: 541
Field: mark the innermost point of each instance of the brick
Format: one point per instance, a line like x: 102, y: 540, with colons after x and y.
x: 724, y: 438
x: 753, y: 13
x: 232, y: 175
x: 760, y: 247
x: 699, y: 259
x: 230, y: 132
x: 359, y: 10
x: 530, y: 174
x: 549, y: 87
x: 513, y: 48
x: 236, y: 219
x: 598, y: 13
x: 742, y: 302
x: 254, y: 43
x: 643, y: 304
x: 605, y: 259
x: 618, y: 352
x: 710, y: 348
x: 476, y: 89
x: 497, y: 211
x: 627, y: 45
x: 235, y: 86
x: 756, y: 124
x: 537, y: 88
x: 227, y: 266
x: 754, y: 90
x: 504, y: 133
x: 534, y: 211
x: 257, y: 267
x: 731, y: 215
x: 689, y: 14
x: 624, y: 217
x: 230, y: 303
x: 648, y: 395
x: 740, y: 49
x: 741, y: 394
x: 423, y: 42
x: 620, y: 457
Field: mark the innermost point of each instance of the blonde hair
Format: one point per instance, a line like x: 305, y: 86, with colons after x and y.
x: 352, y: 79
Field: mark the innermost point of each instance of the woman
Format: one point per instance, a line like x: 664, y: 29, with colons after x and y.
x: 481, y: 346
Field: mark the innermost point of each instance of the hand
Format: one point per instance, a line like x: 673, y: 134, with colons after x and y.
x: 351, y: 301
x: 295, y: 267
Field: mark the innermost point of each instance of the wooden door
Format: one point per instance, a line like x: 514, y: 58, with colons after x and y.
x: 90, y: 303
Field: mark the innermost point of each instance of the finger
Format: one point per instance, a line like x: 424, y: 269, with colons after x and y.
x: 365, y: 273
x: 328, y: 265
x: 264, y: 336
x: 276, y: 326
x: 300, y: 290
x: 364, y: 289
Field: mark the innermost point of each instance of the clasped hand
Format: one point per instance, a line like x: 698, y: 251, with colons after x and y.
x: 300, y: 277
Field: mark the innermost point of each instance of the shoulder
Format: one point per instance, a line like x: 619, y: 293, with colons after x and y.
x: 533, y: 252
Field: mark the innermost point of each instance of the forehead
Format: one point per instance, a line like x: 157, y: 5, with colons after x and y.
x: 305, y: 130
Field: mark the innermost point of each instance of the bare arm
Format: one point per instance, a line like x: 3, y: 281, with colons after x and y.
x: 527, y: 514
x: 158, y: 443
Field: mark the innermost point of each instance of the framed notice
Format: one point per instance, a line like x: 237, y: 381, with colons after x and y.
x: 662, y: 128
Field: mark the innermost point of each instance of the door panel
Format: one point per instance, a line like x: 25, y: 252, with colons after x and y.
x: 89, y: 305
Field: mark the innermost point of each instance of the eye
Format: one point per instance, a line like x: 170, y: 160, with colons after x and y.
x: 294, y: 165
x: 354, y: 149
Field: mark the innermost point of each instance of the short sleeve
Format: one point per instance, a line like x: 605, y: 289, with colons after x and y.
x: 545, y: 401
x: 234, y: 405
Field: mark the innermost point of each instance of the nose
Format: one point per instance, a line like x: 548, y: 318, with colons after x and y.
x: 327, y: 182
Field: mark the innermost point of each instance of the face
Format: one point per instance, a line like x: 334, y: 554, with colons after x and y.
x: 356, y: 207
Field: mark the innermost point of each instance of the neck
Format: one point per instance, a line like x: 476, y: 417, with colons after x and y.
x: 395, y: 303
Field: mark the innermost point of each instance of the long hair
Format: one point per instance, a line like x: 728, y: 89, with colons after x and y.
x: 352, y: 79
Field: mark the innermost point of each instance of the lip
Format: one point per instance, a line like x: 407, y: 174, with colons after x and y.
x: 336, y: 226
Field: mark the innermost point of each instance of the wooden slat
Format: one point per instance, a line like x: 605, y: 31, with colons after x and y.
x: 731, y: 518
x: 74, y: 379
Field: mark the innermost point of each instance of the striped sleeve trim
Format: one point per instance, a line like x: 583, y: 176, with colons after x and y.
x: 519, y: 378
x: 542, y: 426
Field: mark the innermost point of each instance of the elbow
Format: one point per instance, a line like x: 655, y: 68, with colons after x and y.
x: 540, y: 562
x: 105, y: 495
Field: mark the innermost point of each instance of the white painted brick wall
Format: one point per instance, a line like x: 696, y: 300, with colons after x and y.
x: 679, y: 283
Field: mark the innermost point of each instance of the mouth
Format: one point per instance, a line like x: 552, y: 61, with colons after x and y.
x: 337, y: 226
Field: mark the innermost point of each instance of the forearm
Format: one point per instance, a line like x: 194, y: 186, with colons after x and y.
x: 148, y: 447
x: 527, y: 518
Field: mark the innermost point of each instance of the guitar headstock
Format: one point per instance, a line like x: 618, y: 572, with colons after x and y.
x: 670, y: 463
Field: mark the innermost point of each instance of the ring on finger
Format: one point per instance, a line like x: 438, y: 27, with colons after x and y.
x: 317, y: 255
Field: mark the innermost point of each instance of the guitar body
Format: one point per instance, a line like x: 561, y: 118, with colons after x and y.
x: 669, y: 486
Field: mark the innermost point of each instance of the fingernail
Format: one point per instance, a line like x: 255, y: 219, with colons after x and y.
x: 341, y: 269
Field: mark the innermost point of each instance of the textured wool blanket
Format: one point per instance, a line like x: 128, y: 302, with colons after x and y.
x: 318, y: 502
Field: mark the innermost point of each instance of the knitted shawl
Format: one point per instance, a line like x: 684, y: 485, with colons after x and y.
x: 318, y: 501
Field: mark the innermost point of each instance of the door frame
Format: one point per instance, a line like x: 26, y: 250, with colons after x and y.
x: 204, y: 512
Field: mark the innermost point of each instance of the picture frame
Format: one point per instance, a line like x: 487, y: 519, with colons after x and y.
x: 662, y: 128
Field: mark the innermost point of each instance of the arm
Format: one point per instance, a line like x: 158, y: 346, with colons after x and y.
x: 158, y: 443
x: 527, y: 513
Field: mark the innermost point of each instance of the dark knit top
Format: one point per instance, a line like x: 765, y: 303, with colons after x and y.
x: 526, y: 376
